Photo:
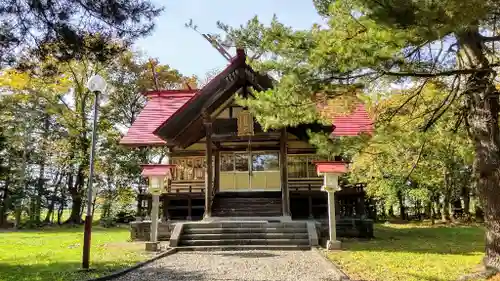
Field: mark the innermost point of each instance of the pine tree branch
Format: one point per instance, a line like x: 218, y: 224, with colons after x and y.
x: 414, y: 74
x: 442, y: 73
x: 487, y: 39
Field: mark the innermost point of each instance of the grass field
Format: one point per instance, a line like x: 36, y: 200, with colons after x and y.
x: 55, y: 253
x: 413, y: 252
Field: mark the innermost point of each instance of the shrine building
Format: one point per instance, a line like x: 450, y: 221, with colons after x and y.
x: 227, y: 166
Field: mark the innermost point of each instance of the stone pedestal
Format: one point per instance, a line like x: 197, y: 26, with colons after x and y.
x: 152, y: 246
x: 332, y: 245
x: 154, y: 218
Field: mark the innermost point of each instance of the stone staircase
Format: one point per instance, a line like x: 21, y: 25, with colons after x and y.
x: 247, y: 204
x: 244, y: 235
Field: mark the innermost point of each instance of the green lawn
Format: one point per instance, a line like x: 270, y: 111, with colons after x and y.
x: 55, y: 253
x: 413, y: 252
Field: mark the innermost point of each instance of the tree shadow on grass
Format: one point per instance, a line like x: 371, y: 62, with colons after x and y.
x: 67, y: 271
x: 57, y: 271
x: 66, y: 229
x: 459, y: 240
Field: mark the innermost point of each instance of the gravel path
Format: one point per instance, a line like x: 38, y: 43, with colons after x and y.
x: 238, y: 265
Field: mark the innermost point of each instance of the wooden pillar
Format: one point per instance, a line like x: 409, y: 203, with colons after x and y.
x: 310, y: 202
x: 285, y: 195
x: 209, y: 168
x: 217, y: 171
x: 166, y: 160
x: 190, y: 208
x: 166, y: 214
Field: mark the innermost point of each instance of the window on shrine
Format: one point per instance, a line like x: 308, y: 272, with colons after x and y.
x: 226, y: 162
x: 241, y: 162
x: 302, y: 166
x: 267, y: 161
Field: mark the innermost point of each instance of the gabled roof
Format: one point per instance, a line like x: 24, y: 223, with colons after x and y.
x: 159, y: 107
x: 186, y: 125
x: 176, y: 115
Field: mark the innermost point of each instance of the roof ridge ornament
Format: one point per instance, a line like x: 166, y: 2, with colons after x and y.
x: 211, y: 39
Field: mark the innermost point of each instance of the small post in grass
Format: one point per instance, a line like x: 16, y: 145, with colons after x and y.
x: 331, y: 170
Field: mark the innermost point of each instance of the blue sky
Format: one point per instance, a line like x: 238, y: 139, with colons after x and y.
x: 187, y: 51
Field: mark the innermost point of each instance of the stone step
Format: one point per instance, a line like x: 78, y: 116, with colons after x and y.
x: 244, y: 230
x: 223, y: 213
x: 243, y: 236
x: 250, y: 194
x: 248, y: 206
x: 248, y: 199
x: 246, y: 225
x: 231, y: 242
x: 245, y: 247
x: 246, y: 203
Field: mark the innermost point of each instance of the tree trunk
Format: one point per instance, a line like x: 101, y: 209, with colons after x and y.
x: 94, y: 200
x: 18, y: 211
x: 458, y: 210
x: 483, y: 127
x: 76, y: 198
x: 466, y: 198
x: 479, y: 213
x: 52, y: 204
x: 41, y: 175
x: 391, y: 211
x: 432, y: 213
x: 53, y: 199
x: 437, y: 203
x: 402, y: 208
x: 445, y: 214
x: 428, y: 210
x: 4, y: 205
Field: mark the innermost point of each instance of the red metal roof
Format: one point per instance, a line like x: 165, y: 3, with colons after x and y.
x: 358, y: 121
x: 159, y: 107
x: 331, y: 167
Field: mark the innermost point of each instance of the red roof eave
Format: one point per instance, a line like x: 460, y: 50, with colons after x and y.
x: 160, y: 106
x: 156, y: 169
x: 338, y: 167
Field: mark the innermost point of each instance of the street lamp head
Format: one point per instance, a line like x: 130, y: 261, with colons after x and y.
x: 96, y: 83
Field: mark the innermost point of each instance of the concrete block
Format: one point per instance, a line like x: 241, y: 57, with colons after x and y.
x: 313, y: 234
x: 175, y: 235
x: 152, y: 246
x: 333, y: 245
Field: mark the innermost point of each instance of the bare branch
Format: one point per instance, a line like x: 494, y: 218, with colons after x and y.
x: 416, y: 162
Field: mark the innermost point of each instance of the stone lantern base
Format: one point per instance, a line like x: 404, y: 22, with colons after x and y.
x: 332, y: 245
x: 152, y: 246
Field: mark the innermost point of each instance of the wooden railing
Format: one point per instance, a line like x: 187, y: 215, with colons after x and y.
x: 187, y: 187
x: 304, y: 185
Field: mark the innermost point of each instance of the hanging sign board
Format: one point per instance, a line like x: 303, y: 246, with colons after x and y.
x: 245, y: 123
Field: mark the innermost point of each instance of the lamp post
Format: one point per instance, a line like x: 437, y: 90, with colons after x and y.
x: 331, y: 170
x: 95, y: 84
